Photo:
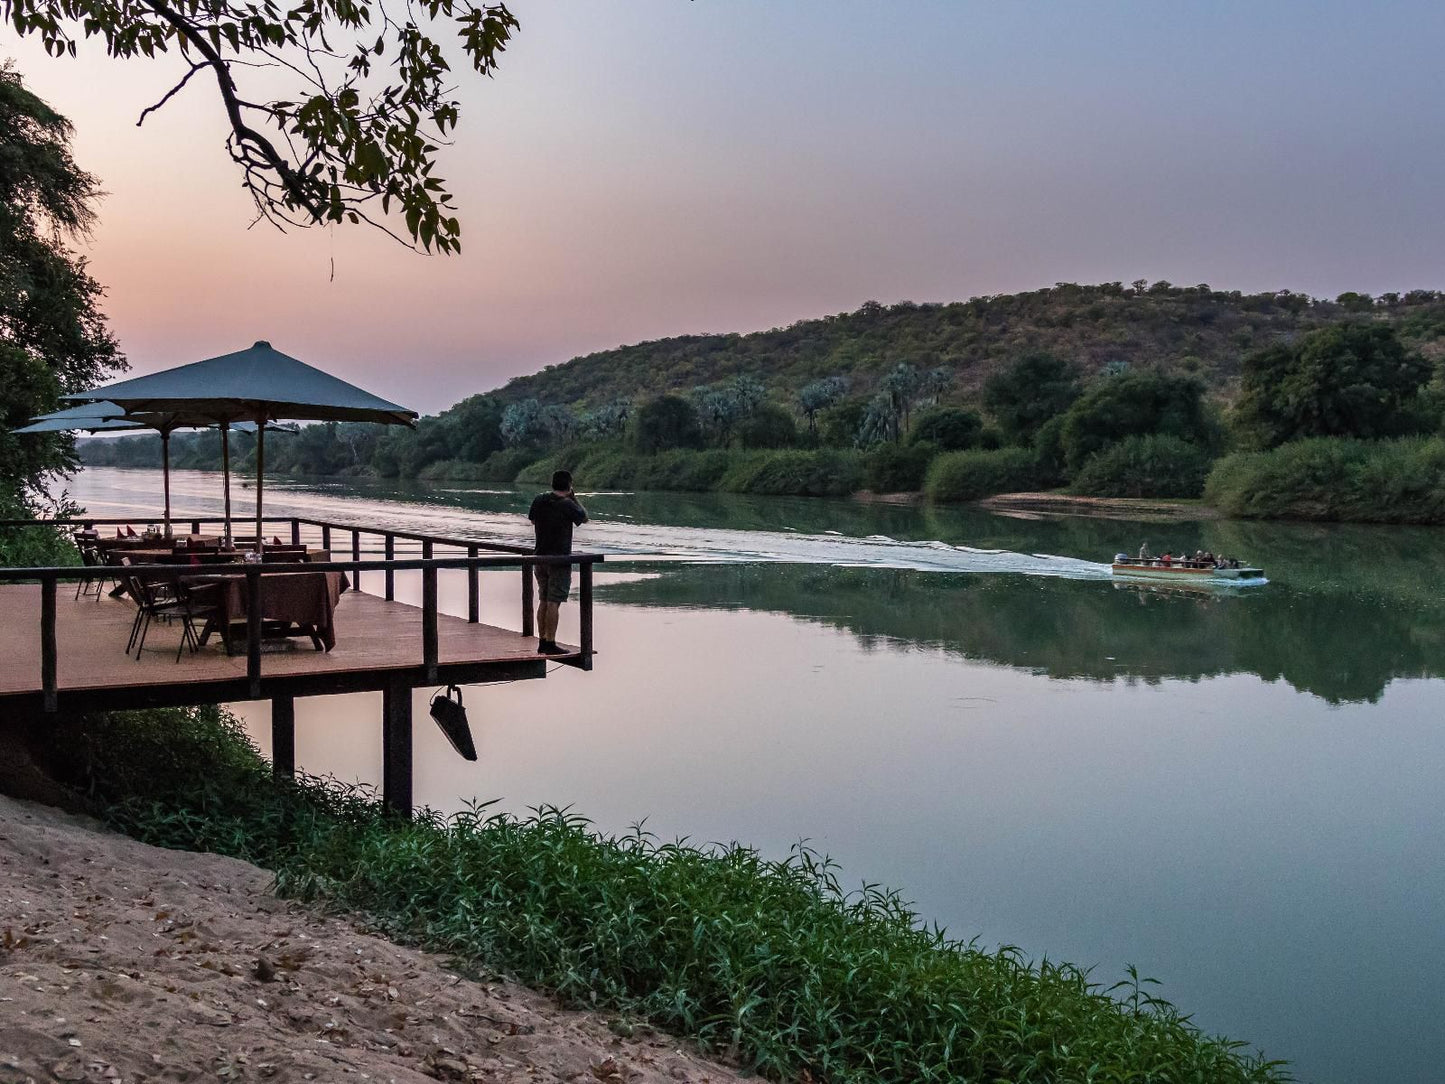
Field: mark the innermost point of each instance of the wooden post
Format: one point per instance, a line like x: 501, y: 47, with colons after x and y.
x: 295, y: 531
x: 195, y: 526
x: 225, y: 476
x: 474, y: 599
x: 253, y: 629
x: 528, y: 617
x: 390, y: 575
x: 429, y: 622
x: 47, y: 641
x: 326, y: 537
x: 166, y: 477
x: 283, y: 736
x: 396, y: 748
x: 585, y: 615
x: 260, y: 478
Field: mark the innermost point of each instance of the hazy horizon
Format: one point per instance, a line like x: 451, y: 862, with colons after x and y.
x: 658, y: 168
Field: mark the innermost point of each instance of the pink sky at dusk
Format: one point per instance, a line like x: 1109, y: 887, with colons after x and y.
x: 650, y: 168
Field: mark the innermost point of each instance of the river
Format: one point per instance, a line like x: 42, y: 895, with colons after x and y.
x: 1237, y: 791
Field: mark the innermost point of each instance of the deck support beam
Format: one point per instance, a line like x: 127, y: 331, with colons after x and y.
x: 396, y: 748
x: 283, y: 737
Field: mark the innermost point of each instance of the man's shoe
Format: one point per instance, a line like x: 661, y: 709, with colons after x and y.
x: 550, y: 647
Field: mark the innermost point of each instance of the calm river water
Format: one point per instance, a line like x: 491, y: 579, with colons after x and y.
x: 1240, y: 793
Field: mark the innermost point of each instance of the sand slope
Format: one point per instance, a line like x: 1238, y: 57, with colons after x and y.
x: 123, y: 962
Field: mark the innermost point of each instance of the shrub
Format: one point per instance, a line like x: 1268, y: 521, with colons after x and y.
x: 969, y: 476
x: 1150, y: 466
x: 1332, y: 478
x: 952, y: 429
x: 1135, y: 404
x: 769, y: 426
x: 688, y: 471
x: 667, y: 422
x: 822, y: 473
x: 891, y: 468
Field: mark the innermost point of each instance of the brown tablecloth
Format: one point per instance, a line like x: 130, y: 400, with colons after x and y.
x: 305, y: 601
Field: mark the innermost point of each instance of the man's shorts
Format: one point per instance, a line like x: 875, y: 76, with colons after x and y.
x: 554, y: 582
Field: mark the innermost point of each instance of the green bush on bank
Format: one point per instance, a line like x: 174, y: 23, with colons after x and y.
x: 970, y: 476
x: 897, y: 468
x: 823, y: 472
x: 1148, y: 466
x: 1330, y: 478
x: 768, y: 960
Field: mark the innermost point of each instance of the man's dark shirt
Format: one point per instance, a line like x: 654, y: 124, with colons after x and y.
x: 554, y: 517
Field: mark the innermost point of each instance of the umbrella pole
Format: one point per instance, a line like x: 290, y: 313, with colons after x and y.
x: 166, y: 474
x: 260, y: 472
x: 226, y: 473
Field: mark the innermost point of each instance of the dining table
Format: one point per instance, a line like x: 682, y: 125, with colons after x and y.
x: 292, y: 603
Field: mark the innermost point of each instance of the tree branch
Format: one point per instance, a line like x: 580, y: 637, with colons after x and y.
x: 244, y: 133
x: 169, y: 94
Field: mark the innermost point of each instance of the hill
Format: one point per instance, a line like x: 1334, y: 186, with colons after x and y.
x: 1192, y: 328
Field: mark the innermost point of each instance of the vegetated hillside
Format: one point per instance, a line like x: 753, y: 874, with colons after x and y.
x: 1193, y: 328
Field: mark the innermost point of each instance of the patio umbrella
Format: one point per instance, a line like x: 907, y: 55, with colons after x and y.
x: 103, y: 416
x: 259, y: 384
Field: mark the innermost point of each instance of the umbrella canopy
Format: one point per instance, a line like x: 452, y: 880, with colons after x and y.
x: 251, y: 384
x: 259, y: 384
x: 104, y: 417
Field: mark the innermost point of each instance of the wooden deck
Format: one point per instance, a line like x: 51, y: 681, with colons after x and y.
x: 378, y: 644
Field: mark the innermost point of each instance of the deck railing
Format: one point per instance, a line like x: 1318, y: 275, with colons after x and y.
x: 498, y: 555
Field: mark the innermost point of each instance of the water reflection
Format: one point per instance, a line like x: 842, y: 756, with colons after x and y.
x: 1341, y: 644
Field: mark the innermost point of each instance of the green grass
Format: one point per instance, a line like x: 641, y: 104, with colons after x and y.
x: 1328, y: 478
x: 768, y: 961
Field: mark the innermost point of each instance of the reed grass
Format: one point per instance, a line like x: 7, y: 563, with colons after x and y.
x: 766, y: 961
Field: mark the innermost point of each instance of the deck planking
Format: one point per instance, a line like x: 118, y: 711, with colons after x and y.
x: 377, y: 642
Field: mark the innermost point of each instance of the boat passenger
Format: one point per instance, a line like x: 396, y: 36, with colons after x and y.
x: 1144, y: 555
x: 1166, y: 559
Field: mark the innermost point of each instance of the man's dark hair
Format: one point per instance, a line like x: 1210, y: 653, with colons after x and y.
x: 562, y: 480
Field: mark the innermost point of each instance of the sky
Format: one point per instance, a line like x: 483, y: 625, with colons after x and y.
x: 644, y: 168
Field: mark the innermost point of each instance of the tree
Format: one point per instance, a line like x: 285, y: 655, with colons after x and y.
x: 665, y: 423
x: 769, y: 426
x: 522, y: 425
x: 1349, y: 380
x: 953, y: 429
x: 819, y: 395
x: 1028, y: 392
x: 53, y: 337
x: 608, y: 420
x: 372, y: 106
x: 1135, y: 404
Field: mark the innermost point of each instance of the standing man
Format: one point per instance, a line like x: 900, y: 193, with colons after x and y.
x: 554, y: 515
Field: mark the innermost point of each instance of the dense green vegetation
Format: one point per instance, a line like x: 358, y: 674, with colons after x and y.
x: 768, y: 961
x: 1387, y: 481
x: 898, y: 414
x: 52, y: 336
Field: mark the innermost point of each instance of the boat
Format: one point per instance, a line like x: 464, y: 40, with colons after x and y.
x: 1183, y: 571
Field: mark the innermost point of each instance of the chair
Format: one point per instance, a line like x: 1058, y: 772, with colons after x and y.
x: 163, y: 600
x: 90, y: 557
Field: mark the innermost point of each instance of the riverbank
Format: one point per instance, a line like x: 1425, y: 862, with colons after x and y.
x: 1138, y: 509
x: 769, y: 963
x: 122, y: 961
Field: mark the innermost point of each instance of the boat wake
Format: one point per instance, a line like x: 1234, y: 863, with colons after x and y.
x: 622, y: 539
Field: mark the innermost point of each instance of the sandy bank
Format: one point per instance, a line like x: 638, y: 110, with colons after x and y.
x: 123, y: 962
